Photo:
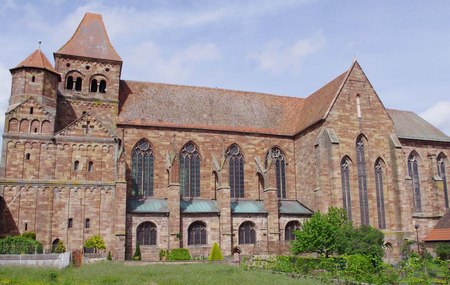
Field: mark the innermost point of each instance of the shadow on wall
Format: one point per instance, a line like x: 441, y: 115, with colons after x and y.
x: 7, y: 224
x: 66, y: 117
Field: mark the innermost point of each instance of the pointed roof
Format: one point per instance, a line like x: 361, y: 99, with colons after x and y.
x: 15, y: 107
x: 90, y: 40
x: 37, y: 60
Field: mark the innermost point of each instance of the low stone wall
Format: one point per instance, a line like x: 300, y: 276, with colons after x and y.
x: 52, y: 260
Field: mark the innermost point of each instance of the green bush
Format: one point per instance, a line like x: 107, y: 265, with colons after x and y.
x: 109, y: 257
x: 137, y: 252
x: 163, y: 254
x: 30, y: 235
x: 19, y: 245
x: 96, y: 242
x: 363, y: 240
x: 443, y: 251
x: 60, y: 247
x: 216, y: 253
x: 179, y: 254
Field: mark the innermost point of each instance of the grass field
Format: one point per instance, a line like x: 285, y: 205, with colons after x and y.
x: 120, y: 273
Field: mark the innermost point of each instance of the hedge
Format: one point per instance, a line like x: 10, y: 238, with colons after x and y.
x: 19, y: 245
x: 179, y: 254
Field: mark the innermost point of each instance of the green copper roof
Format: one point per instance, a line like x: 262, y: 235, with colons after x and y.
x: 248, y: 207
x: 198, y: 206
x: 293, y: 207
x: 147, y: 206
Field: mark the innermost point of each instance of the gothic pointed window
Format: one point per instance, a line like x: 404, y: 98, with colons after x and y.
x: 102, y: 86
x: 380, y: 193
x: 69, y: 83
x: 236, y: 162
x: 346, y: 193
x: 247, y: 233
x: 289, y: 232
x: 78, y: 84
x: 362, y: 181
x: 413, y: 172
x: 146, y: 234
x: 279, y: 160
x: 441, y: 173
x: 197, y: 233
x: 190, y: 170
x: 94, y: 85
x: 142, y: 158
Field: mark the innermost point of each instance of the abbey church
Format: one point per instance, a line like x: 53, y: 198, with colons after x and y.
x: 166, y: 166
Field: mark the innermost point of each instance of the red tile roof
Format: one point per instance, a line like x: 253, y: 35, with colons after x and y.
x: 438, y: 235
x: 441, y: 231
x: 318, y: 104
x: 38, y: 60
x: 167, y: 105
x: 90, y: 40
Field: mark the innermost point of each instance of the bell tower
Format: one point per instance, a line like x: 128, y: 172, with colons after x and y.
x: 90, y: 69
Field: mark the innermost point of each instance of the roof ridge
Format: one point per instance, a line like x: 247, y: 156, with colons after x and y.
x: 338, y: 91
x: 213, y: 88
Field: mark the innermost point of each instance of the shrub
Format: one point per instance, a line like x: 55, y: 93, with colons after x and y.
x: 363, y: 240
x: 318, y: 233
x: 60, y: 247
x: 216, y: 253
x: 19, y: 245
x: 163, y: 254
x: 96, y: 242
x: 30, y: 235
x: 137, y: 252
x: 443, y: 251
x: 109, y: 257
x: 179, y: 254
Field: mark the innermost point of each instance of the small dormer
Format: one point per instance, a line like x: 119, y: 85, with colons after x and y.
x: 34, y: 77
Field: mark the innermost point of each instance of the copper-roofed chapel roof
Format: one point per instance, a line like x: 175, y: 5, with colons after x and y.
x: 167, y: 105
x: 37, y: 60
x: 90, y: 40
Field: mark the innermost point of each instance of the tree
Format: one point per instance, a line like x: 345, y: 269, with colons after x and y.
x: 96, y: 242
x: 216, y: 253
x: 443, y: 251
x: 318, y: 234
x: 137, y: 252
x: 60, y: 247
x: 364, y: 240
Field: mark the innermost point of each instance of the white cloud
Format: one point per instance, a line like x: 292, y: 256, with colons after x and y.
x: 147, y: 60
x: 123, y: 20
x: 439, y: 116
x: 277, y: 57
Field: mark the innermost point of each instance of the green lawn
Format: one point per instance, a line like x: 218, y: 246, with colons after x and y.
x: 119, y: 273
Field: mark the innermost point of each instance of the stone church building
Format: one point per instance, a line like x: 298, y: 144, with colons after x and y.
x: 166, y: 166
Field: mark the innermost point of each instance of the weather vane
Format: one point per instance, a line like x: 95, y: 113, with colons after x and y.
x: 39, y: 43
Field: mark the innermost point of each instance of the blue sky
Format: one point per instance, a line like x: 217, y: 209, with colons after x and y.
x: 282, y: 47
